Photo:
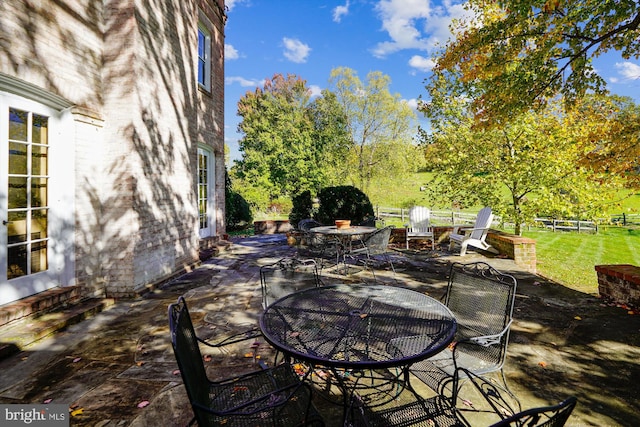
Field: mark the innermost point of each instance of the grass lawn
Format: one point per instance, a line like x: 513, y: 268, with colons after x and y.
x: 570, y: 258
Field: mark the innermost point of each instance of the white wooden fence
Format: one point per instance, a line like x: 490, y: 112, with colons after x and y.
x: 446, y: 217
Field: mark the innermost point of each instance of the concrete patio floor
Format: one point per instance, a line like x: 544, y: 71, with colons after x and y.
x: 118, y: 369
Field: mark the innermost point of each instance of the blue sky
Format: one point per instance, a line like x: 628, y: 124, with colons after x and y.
x: 309, y: 38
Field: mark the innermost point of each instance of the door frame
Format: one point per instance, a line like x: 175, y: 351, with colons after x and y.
x: 61, y: 215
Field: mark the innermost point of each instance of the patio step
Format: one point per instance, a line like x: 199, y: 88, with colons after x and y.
x: 21, y: 333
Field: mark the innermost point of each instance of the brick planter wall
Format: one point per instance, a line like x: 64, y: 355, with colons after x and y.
x: 521, y: 249
x: 271, y: 226
x: 620, y: 283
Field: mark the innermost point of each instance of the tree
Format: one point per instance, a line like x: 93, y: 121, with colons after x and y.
x: 379, y: 125
x: 288, y: 142
x: 521, y: 53
x: 531, y: 166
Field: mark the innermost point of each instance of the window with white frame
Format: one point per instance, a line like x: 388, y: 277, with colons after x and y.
x: 204, y: 57
x: 206, y: 223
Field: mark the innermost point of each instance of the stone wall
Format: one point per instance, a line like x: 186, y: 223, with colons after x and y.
x: 619, y: 283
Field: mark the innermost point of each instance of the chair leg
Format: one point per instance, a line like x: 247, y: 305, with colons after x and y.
x: 463, y: 248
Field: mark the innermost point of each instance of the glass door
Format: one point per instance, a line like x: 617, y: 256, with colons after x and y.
x: 206, y: 222
x: 24, y: 202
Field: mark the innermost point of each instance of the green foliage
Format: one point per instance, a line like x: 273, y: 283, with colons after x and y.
x: 538, y: 157
x: 380, y: 126
x: 522, y: 53
x: 343, y: 202
x: 290, y: 144
x: 237, y: 210
x: 302, y: 208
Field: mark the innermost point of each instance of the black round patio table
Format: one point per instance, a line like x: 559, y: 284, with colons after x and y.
x: 350, y: 329
x: 350, y: 326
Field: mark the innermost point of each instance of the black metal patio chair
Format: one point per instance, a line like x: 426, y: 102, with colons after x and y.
x: 407, y: 409
x: 548, y: 416
x: 285, y: 276
x: 316, y: 245
x: 482, y: 299
x: 374, y: 245
x: 483, y: 402
x: 273, y: 396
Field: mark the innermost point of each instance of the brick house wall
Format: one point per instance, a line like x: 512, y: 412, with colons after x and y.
x: 126, y: 70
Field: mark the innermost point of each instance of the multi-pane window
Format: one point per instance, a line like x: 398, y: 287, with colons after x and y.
x: 203, y: 189
x: 204, y: 58
x: 27, y: 222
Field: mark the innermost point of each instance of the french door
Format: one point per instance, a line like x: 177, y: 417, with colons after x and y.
x: 206, y: 196
x: 25, y: 199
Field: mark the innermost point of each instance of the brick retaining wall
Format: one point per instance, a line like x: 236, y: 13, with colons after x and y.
x: 619, y: 282
x: 271, y: 226
x: 521, y: 249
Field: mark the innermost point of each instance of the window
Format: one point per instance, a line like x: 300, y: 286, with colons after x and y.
x: 206, y: 223
x: 28, y: 183
x: 204, y: 58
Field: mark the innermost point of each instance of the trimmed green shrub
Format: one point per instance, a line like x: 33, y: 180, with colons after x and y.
x: 302, y: 208
x: 343, y: 202
x: 237, y: 210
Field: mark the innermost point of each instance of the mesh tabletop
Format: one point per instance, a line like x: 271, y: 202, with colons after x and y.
x: 351, y: 326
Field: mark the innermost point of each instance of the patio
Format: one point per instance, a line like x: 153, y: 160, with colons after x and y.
x: 117, y: 368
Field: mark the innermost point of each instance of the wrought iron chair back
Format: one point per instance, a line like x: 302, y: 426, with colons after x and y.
x: 497, y: 403
x: 482, y: 300
x: 286, y: 276
x: 376, y: 243
x: 548, y: 416
x: 244, y: 400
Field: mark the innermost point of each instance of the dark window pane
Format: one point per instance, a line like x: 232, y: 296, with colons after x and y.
x: 18, y: 121
x: 16, y: 261
x: 17, y: 193
x: 17, y: 158
x: 39, y: 160
x: 39, y: 192
x: 39, y: 128
x: 39, y: 224
x: 38, y: 257
x: 17, y: 227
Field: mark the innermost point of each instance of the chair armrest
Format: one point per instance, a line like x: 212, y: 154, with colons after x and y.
x: 232, y: 339
x: 497, y: 399
x: 480, y: 340
x: 465, y: 230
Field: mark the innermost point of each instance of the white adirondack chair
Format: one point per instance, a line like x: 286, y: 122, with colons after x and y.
x: 419, y: 226
x: 465, y: 236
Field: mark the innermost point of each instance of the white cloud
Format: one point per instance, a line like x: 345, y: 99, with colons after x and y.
x: 340, y: 11
x: 231, y: 3
x: 243, y: 82
x: 415, y: 24
x: 230, y: 52
x: 412, y: 103
x: 421, y: 63
x: 315, y: 90
x: 628, y: 70
x: 295, y: 50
